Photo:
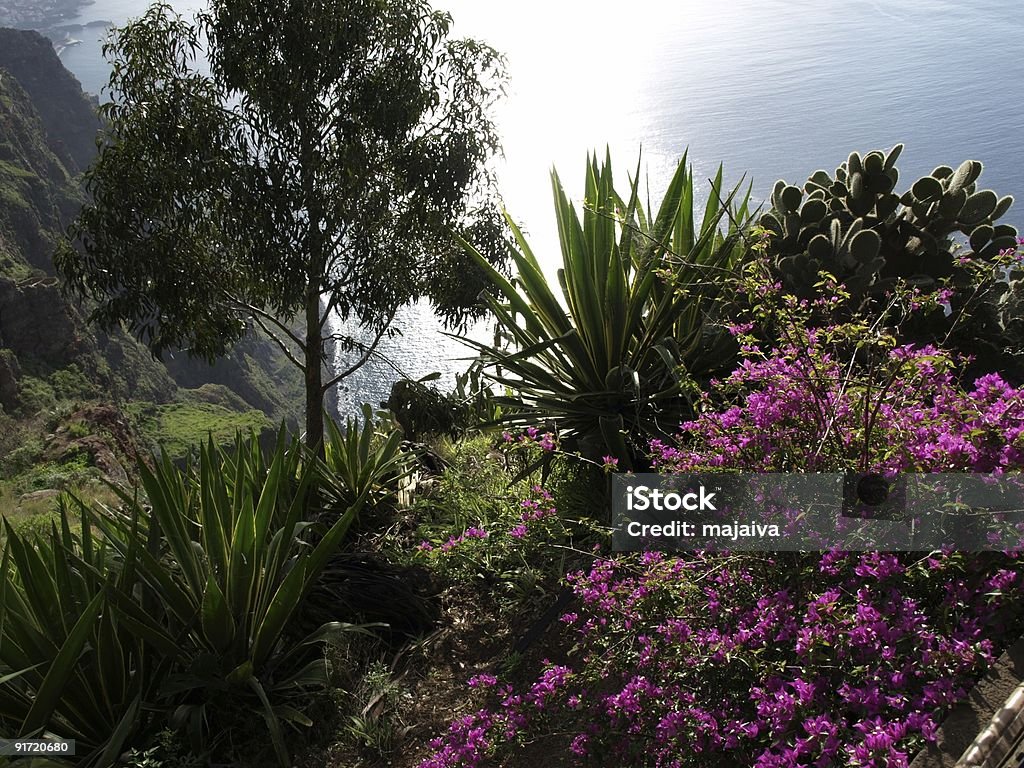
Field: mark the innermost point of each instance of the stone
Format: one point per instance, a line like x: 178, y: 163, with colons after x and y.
x: 10, y: 372
x: 43, y: 495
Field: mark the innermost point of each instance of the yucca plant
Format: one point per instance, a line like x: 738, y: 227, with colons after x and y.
x: 236, y: 558
x: 365, y: 461
x: 610, y: 362
x: 71, y: 664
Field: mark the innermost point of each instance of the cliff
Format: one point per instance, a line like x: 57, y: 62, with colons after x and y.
x: 68, y: 118
x: 36, y: 195
x: 60, y: 376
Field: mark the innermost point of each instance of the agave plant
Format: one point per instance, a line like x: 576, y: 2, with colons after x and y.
x: 610, y: 362
x: 363, y: 461
x: 71, y: 666
x: 235, y: 559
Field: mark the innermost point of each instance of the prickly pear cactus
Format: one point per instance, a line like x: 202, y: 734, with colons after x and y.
x: 855, y: 226
x: 1011, y: 314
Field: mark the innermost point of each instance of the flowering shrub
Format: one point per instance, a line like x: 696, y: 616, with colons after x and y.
x: 546, y: 441
x: 846, y: 394
x: 778, y: 661
x: 517, y: 554
x: 800, y: 408
x: 537, y: 516
x: 736, y: 660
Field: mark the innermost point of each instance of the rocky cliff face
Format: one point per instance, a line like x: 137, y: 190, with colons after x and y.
x: 68, y: 118
x: 36, y: 193
x: 44, y: 133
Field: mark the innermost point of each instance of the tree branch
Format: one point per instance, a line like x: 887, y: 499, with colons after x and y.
x: 331, y: 304
x: 255, y: 311
x: 284, y: 347
x: 370, y: 350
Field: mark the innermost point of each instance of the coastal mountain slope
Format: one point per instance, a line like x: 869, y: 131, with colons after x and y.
x: 68, y: 117
x: 36, y: 195
x: 75, y: 401
x: 40, y: 330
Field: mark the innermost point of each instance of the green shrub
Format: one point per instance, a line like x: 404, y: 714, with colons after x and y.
x: 64, y: 476
x: 35, y: 395
x: 473, y: 488
x: 365, y: 461
x: 79, y: 429
x: 610, y: 363
x: 376, y: 725
x: 422, y: 410
x: 177, y: 606
x: 73, y: 666
x: 70, y: 383
x: 20, y: 459
x: 167, y: 751
x: 235, y: 560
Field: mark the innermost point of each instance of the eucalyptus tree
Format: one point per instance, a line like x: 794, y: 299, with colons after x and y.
x: 320, y: 164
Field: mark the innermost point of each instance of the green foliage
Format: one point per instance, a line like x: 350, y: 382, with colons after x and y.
x: 328, y: 154
x: 475, y: 398
x: 178, y: 606
x: 423, y: 410
x: 473, y: 488
x: 518, y: 547
x: 35, y: 395
x: 166, y: 752
x: 74, y: 470
x: 854, y: 226
x: 19, y: 456
x: 72, y: 665
x: 224, y: 559
x: 1010, y: 306
x: 376, y: 725
x: 936, y: 237
x: 178, y: 427
x: 365, y: 460
x: 71, y: 383
x: 613, y: 368
x: 78, y: 429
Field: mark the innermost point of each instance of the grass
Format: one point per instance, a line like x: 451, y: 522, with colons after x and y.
x: 34, y: 515
x: 176, y: 428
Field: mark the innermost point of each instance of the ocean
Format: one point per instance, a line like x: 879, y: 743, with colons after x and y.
x: 770, y: 88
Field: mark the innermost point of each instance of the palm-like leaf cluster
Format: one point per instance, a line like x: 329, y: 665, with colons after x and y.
x: 609, y: 360
x: 173, y: 608
x: 70, y: 664
x: 364, y: 460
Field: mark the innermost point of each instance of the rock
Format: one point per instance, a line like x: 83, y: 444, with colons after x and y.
x: 106, y: 462
x: 10, y: 372
x: 36, y: 322
x: 69, y: 119
x: 49, y: 493
x: 109, y: 445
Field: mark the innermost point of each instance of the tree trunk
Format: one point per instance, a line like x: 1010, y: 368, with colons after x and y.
x: 314, y: 372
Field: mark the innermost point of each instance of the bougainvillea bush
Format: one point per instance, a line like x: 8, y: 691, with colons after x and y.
x: 751, y: 661
x: 772, y: 661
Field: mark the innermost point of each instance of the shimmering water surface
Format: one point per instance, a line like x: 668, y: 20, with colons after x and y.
x: 772, y: 89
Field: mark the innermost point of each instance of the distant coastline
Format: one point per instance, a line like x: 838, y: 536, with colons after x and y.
x: 39, y: 14
x: 62, y: 45
x: 49, y: 18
